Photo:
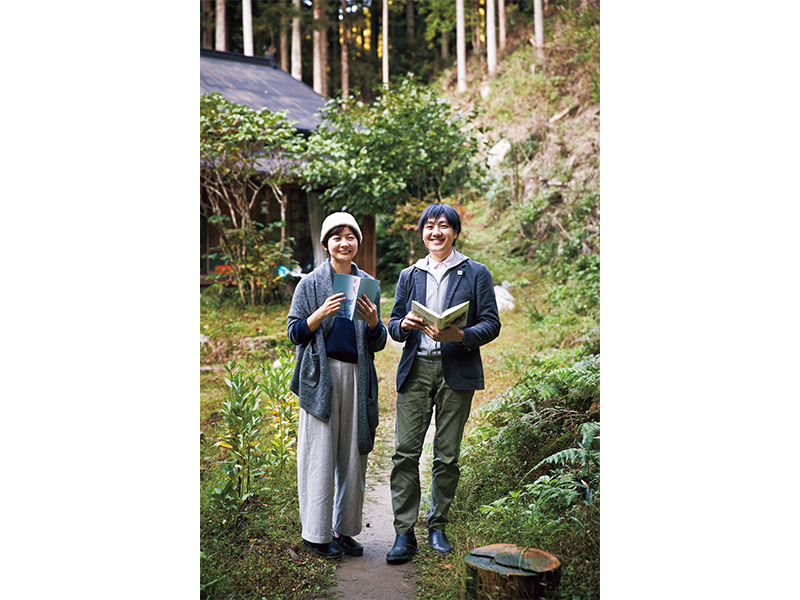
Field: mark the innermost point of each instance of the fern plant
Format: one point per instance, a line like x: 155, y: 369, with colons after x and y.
x: 576, y: 386
x: 583, y: 377
x: 585, y: 459
x: 553, y: 492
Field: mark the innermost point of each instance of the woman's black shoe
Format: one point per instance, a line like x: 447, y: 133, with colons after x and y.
x: 323, y: 550
x: 347, y: 545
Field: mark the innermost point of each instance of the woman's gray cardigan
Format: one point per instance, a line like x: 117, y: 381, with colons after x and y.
x: 311, y: 380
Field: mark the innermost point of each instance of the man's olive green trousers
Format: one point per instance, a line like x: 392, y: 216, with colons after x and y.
x: 424, y: 393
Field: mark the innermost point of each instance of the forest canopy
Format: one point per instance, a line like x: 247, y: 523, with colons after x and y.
x: 346, y: 36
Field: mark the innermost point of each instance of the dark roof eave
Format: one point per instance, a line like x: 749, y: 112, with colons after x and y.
x: 256, y: 60
x: 259, y: 83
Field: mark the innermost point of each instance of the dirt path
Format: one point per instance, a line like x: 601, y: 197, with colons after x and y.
x: 369, y: 577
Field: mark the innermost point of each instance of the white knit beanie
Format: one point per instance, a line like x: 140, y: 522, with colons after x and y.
x: 340, y: 218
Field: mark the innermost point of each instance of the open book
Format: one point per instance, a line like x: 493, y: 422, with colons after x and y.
x: 456, y: 315
x: 353, y: 288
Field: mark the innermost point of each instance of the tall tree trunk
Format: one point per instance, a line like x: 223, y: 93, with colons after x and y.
x: 284, y: 41
x: 320, y: 49
x: 206, y: 22
x: 323, y: 34
x: 461, y: 47
x: 385, y: 45
x: 501, y: 18
x: 476, y: 36
x: 445, y: 46
x: 491, y: 39
x: 317, y: 78
x: 538, y: 25
x: 247, y: 26
x: 297, y: 52
x: 345, y: 52
x: 410, y: 21
x: 374, y: 23
x: 221, y: 33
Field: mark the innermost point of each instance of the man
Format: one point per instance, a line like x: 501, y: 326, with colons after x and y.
x: 439, y: 371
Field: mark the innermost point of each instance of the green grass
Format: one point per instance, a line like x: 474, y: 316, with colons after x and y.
x: 250, y: 335
x: 262, y: 557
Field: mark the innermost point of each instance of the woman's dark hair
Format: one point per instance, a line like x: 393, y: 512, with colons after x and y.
x: 434, y: 211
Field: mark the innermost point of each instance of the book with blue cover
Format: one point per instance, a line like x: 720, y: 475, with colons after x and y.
x: 353, y: 288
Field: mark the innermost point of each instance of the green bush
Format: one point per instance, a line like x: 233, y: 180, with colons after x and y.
x: 246, y: 425
x: 282, y: 408
x: 233, y: 140
x: 240, y: 438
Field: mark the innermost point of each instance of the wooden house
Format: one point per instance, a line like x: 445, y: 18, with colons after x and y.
x: 259, y: 83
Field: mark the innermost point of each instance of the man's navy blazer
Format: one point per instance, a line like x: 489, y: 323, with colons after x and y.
x: 461, y: 363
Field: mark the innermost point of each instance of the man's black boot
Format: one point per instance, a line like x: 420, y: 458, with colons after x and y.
x: 438, y: 540
x: 405, y: 546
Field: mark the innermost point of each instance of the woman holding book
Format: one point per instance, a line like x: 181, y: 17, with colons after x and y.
x: 438, y: 373
x: 337, y: 384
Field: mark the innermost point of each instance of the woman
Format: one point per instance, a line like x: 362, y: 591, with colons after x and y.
x: 337, y: 384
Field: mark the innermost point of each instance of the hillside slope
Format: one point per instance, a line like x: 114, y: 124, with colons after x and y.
x: 530, y: 459
x: 545, y: 109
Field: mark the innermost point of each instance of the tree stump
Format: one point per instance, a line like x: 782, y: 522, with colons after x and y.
x: 503, y: 571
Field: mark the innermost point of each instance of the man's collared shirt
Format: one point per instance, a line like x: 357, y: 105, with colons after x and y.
x: 438, y: 269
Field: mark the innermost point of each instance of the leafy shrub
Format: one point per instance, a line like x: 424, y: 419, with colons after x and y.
x: 241, y: 425
x: 282, y: 408
x: 217, y: 295
x: 540, y: 416
x: 409, y: 144
x: 256, y: 256
x: 233, y: 140
x: 245, y: 426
